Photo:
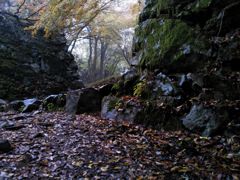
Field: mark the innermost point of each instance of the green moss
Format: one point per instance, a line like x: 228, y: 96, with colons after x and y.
x: 140, y: 89
x: 21, y: 109
x: 201, y: 4
x: 164, y: 39
x: 160, y: 4
x: 113, y: 104
x: 51, y: 107
x: 116, y: 86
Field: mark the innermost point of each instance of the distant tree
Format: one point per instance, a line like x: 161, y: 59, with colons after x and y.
x: 110, y: 40
x: 69, y: 15
x: 98, y: 21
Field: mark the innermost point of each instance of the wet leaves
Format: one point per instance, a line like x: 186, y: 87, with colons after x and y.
x: 55, y: 145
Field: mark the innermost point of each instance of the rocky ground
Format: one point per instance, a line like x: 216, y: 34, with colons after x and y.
x: 59, y: 146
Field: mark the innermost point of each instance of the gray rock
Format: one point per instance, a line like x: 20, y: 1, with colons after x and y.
x: 31, y: 105
x: 163, y: 85
x: 54, y: 101
x: 17, y: 105
x: 196, y: 79
x: 5, y: 146
x: 2, y: 102
x: 83, y: 101
x: 109, y: 110
x: 190, y: 84
x: 24, y: 106
x: 3, y: 105
x: 5, y: 123
x: 130, y: 74
x: 4, y: 176
x: 149, y: 114
x: 205, y: 120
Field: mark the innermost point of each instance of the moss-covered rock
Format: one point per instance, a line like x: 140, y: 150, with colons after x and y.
x: 196, y: 44
x: 163, y: 42
x: 146, y: 112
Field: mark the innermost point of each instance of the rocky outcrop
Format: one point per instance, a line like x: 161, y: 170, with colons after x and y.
x: 188, y: 54
x: 175, y: 35
x: 33, y: 66
x: 150, y: 113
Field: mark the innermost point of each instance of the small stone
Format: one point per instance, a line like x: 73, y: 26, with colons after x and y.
x: 5, y: 146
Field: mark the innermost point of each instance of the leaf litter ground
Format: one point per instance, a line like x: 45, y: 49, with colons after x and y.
x: 59, y: 146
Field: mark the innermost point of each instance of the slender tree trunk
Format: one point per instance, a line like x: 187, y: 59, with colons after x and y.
x: 94, y: 64
x: 90, y: 54
x: 104, y: 47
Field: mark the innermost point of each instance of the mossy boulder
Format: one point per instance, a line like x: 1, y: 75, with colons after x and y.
x: 54, y: 102
x: 148, y: 113
x: 114, y: 108
x: 164, y: 43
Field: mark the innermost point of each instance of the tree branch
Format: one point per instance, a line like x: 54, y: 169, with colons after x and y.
x: 20, y: 7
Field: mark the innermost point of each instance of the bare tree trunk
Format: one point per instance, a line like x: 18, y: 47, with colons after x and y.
x: 90, y: 54
x: 20, y: 7
x: 95, y: 57
x: 104, y: 47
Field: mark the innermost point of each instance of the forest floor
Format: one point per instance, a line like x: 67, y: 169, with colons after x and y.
x: 59, y: 146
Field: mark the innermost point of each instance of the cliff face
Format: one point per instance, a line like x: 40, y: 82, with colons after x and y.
x: 184, y: 35
x: 196, y: 44
x: 32, y: 66
x: 193, y: 36
x: 188, y: 56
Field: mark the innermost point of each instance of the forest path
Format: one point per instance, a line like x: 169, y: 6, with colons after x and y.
x: 58, y: 146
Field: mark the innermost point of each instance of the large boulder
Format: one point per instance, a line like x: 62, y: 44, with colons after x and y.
x: 206, y: 121
x: 83, y: 101
x: 33, y: 66
x: 114, y: 108
x: 17, y: 105
x: 31, y: 105
x: 54, y: 102
x: 161, y: 45
x: 152, y: 114
x: 24, y: 106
